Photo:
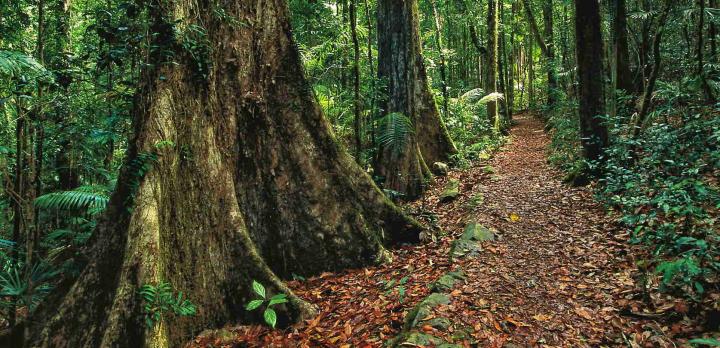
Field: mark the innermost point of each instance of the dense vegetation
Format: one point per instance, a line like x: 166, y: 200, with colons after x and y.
x: 119, y: 118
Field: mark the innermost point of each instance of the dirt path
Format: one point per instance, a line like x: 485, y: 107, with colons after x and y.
x: 554, y: 275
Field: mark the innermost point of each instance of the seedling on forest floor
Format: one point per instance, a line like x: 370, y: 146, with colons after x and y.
x: 392, y: 285
x: 269, y: 315
x: 475, y: 201
x: 488, y: 170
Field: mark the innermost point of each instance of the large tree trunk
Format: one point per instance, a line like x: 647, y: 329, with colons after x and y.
x: 588, y: 40
x: 400, y: 64
x: 232, y: 175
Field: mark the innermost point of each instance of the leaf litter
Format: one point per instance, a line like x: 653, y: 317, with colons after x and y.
x: 558, y: 272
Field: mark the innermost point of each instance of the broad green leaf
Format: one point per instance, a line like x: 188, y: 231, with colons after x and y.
x: 270, y: 317
x: 253, y: 304
x: 258, y: 288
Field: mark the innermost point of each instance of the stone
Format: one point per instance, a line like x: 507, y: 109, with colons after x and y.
x: 452, y: 190
x: 447, y: 281
x: 477, y: 232
x: 439, y: 323
x: 440, y: 169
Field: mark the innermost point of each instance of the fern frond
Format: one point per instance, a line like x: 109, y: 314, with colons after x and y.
x: 394, y: 129
x: 473, y: 95
x: 90, y: 198
x: 494, y: 96
x: 15, y: 63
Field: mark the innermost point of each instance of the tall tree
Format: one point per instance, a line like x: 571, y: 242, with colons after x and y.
x: 400, y: 64
x: 623, y: 76
x: 491, y: 64
x: 545, y: 43
x: 700, y: 53
x: 357, y: 121
x: 232, y: 175
x: 654, y: 70
x: 439, y: 45
x: 589, y: 46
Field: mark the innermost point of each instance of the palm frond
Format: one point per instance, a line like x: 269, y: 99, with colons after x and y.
x: 14, y: 63
x: 494, y: 96
x: 88, y: 198
x: 472, y: 96
x: 394, y: 129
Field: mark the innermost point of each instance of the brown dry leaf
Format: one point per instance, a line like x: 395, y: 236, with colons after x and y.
x: 542, y: 317
x: 583, y: 312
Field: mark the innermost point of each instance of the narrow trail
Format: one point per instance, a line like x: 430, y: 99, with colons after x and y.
x: 555, y: 275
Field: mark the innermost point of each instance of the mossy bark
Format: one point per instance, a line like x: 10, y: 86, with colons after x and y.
x: 588, y: 40
x: 400, y: 64
x: 247, y: 182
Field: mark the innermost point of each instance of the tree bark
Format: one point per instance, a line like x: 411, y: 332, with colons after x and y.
x: 401, y: 65
x: 491, y: 83
x: 358, y: 121
x: 654, y: 72
x: 232, y: 175
x: 623, y: 76
x: 438, y: 43
x: 699, y: 53
x: 545, y: 44
x: 588, y: 40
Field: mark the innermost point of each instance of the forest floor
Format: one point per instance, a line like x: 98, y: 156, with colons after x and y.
x: 558, y: 272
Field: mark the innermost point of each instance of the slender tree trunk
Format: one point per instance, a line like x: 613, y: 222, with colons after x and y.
x: 65, y: 166
x: 438, y: 43
x: 546, y: 44
x: 699, y: 52
x: 620, y: 48
x: 371, y: 67
x: 252, y: 184
x: 654, y: 72
x: 588, y: 40
x: 401, y: 64
x: 358, y: 121
x: 712, y: 32
x: 549, y: 34
x: 491, y: 83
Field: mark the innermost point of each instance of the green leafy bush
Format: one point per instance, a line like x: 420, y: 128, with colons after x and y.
x: 160, y: 299
x: 667, y: 192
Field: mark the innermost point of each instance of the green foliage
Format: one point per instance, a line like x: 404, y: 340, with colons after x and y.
x: 194, y: 40
x: 668, y: 199
x: 269, y: 315
x: 397, y: 287
x: 137, y: 169
x: 393, y: 132
x: 160, y: 300
x: 25, y: 286
x: 92, y: 199
x: 711, y: 342
x: 14, y: 64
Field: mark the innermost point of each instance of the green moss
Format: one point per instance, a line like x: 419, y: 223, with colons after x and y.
x: 452, y: 190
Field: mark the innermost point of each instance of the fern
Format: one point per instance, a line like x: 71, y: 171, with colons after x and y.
x: 160, y: 299
x: 92, y: 199
x: 394, y: 130
x: 494, y: 96
x: 15, y: 63
x: 26, y: 288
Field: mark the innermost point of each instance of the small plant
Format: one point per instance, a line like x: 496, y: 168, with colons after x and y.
x: 160, y: 299
x: 397, y: 286
x: 269, y: 315
x: 475, y: 201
